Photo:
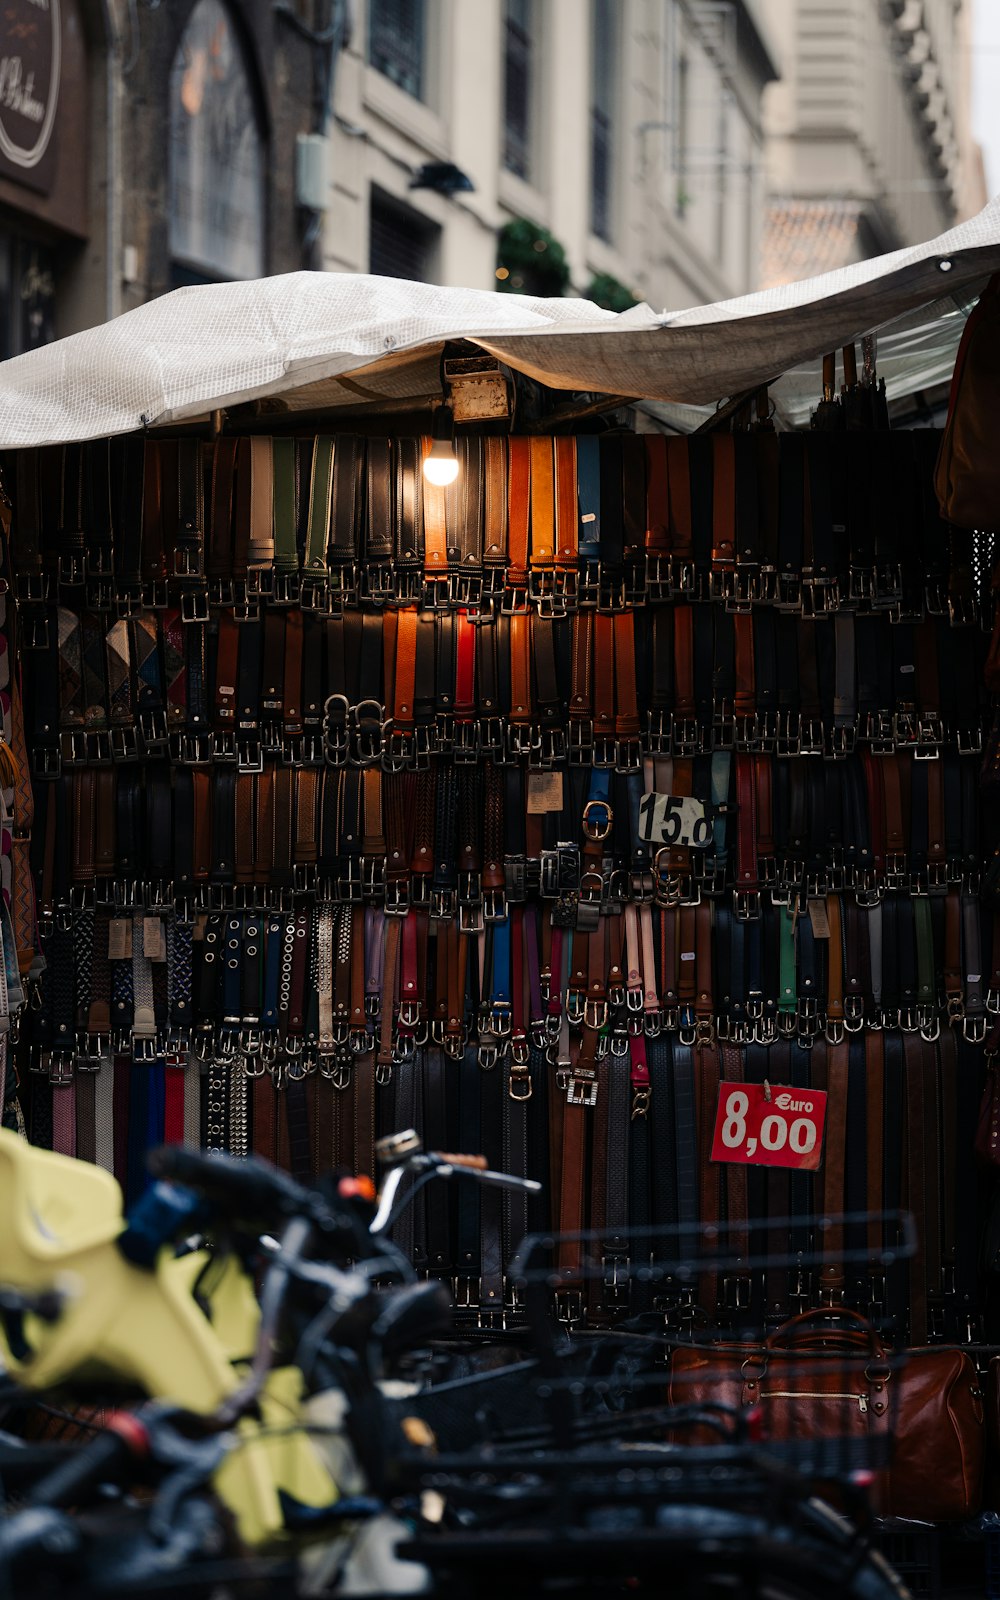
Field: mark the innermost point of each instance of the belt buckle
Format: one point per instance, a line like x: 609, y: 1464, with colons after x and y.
x: 144, y: 1046
x: 435, y: 591
x: 46, y: 762
x: 587, y: 583
x: 285, y: 587
x: 634, y: 583
x: 100, y: 592
x: 494, y: 906
x: 470, y: 917
x: 71, y: 568
x: 259, y: 583
x: 659, y: 578
x: 888, y: 584
x: 367, y: 725
x: 153, y: 729
x: 721, y: 583
x: 514, y: 601
x: 580, y: 742
x: 930, y: 737
x: 860, y: 585
x: 657, y: 732
x: 444, y: 904
x: 745, y: 589
x: 314, y: 592
x: 336, y: 712
x: 610, y: 588
x: 397, y: 898
x: 812, y: 741
x: 788, y: 733
x: 788, y: 592
x: 685, y: 576
x: 628, y: 754
x: 468, y: 590
x: 969, y: 741
x: 746, y: 905
x: 245, y: 607
x: 685, y: 736
x: 398, y: 746
x: 520, y: 737
x: 194, y: 605
x: 581, y: 1087
x: 724, y: 732
x: 441, y: 733
x: 605, y: 752
x: 465, y: 743
x: 491, y: 735
x: 548, y: 749
x: 189, y: 559
x: 843, y: 740
x: 854, y: 1012
x: 31, y: 588
x: 73, y: 747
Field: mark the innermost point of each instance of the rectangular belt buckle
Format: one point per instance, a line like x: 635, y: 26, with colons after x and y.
x: 35, y: 630
x: 285, y: 588
x: 548, y: 749
x: 189, y: 559
x: 610, y: 588
x: 194, y: 605
x: 657, y: 733
x: 724, y: 728
x: 442, y: 735
x: 224, y: 746
x: 788, y: 592
x: 587, y: 585
x: 685, y: 736
x: 72, y: 568
x: 397, y: 898
x: 221, y: 591
x: 314, y: 592
x: 144, y: 1046
x: 436, y: 591
x: 746, y: 904
x: 843, y: 740
x: 465, y: 743
x: 259, y: 583
x: 46, y: 762
x: 153, y: 730
x: 468, y: 590
x: 31, y: 588
x: 605, y: 754
x: 444, y: 904
x: 249, y: 756
x: 581, y: 1088
x: 73, y: 747
x: 124, y: 741
x: 580, y: 742
x: 100, y: 592
x: 60, y: 1068
x: 246, y: 607
x: 514, y: 601
x: 378, y: 586
x: 659, y: 578
x: 494, y: 906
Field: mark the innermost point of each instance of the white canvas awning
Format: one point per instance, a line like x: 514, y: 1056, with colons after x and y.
x: 323, y: 340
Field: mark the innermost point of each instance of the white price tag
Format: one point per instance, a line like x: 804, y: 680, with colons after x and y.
x: 674, y: 819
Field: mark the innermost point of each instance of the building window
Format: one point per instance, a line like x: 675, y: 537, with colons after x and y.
x: 397, y: 34
x: 216, y: 159
x: 519, y: 87
x: 603, y: 112
x: 402, y: 243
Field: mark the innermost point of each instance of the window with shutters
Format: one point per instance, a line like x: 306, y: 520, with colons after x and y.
x: 397, y: 43
x: 216, y: 154
x: 402, y: 242
x: 603, y: 115
x: 520, y: 21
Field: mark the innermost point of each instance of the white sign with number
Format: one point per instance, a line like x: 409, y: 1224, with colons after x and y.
x: 674, y: 819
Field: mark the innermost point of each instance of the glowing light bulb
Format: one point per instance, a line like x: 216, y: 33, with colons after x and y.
x: 441, y: 463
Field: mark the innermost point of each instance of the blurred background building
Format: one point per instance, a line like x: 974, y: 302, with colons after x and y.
x: 676, y: 151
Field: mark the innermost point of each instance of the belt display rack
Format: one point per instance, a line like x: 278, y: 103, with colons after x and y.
x: 341, y: 802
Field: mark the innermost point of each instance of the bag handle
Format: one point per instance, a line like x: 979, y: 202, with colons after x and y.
x: 806, y: 1329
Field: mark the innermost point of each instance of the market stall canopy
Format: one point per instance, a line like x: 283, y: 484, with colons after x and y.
x: 310, y: 341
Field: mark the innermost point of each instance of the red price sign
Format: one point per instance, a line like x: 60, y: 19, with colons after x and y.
x: 769, y: 1125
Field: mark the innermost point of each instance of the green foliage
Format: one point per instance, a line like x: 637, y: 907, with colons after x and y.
x: 530, y: 260
x: 607, y: 292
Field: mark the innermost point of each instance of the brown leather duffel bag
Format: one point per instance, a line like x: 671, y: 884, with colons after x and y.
x: 827, y: 1375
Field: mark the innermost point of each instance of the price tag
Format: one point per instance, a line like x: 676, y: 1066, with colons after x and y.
x: 674, y: 819
x: 769, y: 1126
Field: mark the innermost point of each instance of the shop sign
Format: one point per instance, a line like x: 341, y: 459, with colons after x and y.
x: 769, y: 1125
x: 30, y: 69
